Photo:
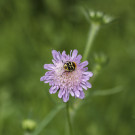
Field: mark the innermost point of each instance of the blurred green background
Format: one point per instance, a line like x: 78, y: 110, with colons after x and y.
x: 30, y: 29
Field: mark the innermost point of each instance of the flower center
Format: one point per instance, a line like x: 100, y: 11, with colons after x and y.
x: 69, y: 79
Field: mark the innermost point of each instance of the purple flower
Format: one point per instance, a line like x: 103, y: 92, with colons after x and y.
x: 67, y: 75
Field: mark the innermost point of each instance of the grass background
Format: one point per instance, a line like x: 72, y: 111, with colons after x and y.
x: 30, y: 29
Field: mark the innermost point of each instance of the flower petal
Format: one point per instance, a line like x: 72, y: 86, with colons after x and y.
x: 80, y: 88
x: 74, y: 54
x: 63, y: 56
x: 72, y: 93
x: 78, y: 59
x: 77, y: 93
x: 90, y: 74
x: 82, y: 95
x: 60, y: 93
x: 83, y: 86
x: 53, y: 89
x: 54, y: 62
x: 49, y: 73
x: 66, y: 97
x: 46, y: 81
x: 49, y: 66
x: 83, y: 64
x: 42, y: 78
x: 63, y: 53
x: 88, y: 84
x: 56, y: 55
x: 70, y: 52
x: 85, y: 69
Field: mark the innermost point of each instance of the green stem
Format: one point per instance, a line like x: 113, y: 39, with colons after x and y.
x: 68, y: 118
x: 92, y: 33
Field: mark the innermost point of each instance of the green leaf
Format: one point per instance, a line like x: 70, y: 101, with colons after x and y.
x: 48, y: 119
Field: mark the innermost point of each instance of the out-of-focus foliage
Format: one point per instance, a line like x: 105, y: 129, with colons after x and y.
x: 30, y: 29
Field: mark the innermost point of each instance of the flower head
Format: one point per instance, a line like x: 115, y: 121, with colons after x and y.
x: 67, y: 75
x: 100, y: 17
x: 29, y: 125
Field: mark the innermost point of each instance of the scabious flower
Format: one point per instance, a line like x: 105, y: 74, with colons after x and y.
x: 69, y: 80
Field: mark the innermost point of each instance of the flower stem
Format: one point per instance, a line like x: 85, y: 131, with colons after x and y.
x: 68, y: 118
x: 92, y: 33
